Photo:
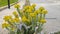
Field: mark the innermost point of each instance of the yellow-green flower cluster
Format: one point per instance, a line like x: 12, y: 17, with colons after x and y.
x: 24, y: 19
x: 16, y: 20
x: 8, y: 26
x: 15, y: 14
x: 37, y: 11
x: 29, y: 15
x: 44, y: 12
x: 7, y: 18
x: 32, y: 15
x: 43, y: 21
x: 28, y: 8
x: 17, y: 6
x: 11, y: 23
x: 41, y: 8
x: 5, y: 25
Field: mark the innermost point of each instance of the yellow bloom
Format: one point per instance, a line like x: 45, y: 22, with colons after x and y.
x: 17, y: 6
x: 6, y: 18
x: 26, y: 7
x: 4, y: 25
x: 33, y: 5
x: 32, y: 14
x: 43, y: 21
x: 24, y: 19
x: 44, y: 12
x: 37, y: 11
x: 15, y: 14
x: 16, y: 20
x: 41, y: 8
x: 29, y: 10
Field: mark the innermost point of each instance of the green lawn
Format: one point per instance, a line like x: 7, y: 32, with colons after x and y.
x: 4, y: 2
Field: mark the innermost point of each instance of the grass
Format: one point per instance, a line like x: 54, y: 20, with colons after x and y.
x: 5, y: 2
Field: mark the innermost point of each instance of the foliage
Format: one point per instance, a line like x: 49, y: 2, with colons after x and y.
x: 5, y: 2
x: 26, y: 21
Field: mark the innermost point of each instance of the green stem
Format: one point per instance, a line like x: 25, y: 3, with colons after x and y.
x: 43, y: 16
x: 40, y: 16
x: 18, y: 11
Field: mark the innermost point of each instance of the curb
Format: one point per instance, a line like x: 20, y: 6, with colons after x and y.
x: 2, y: 8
